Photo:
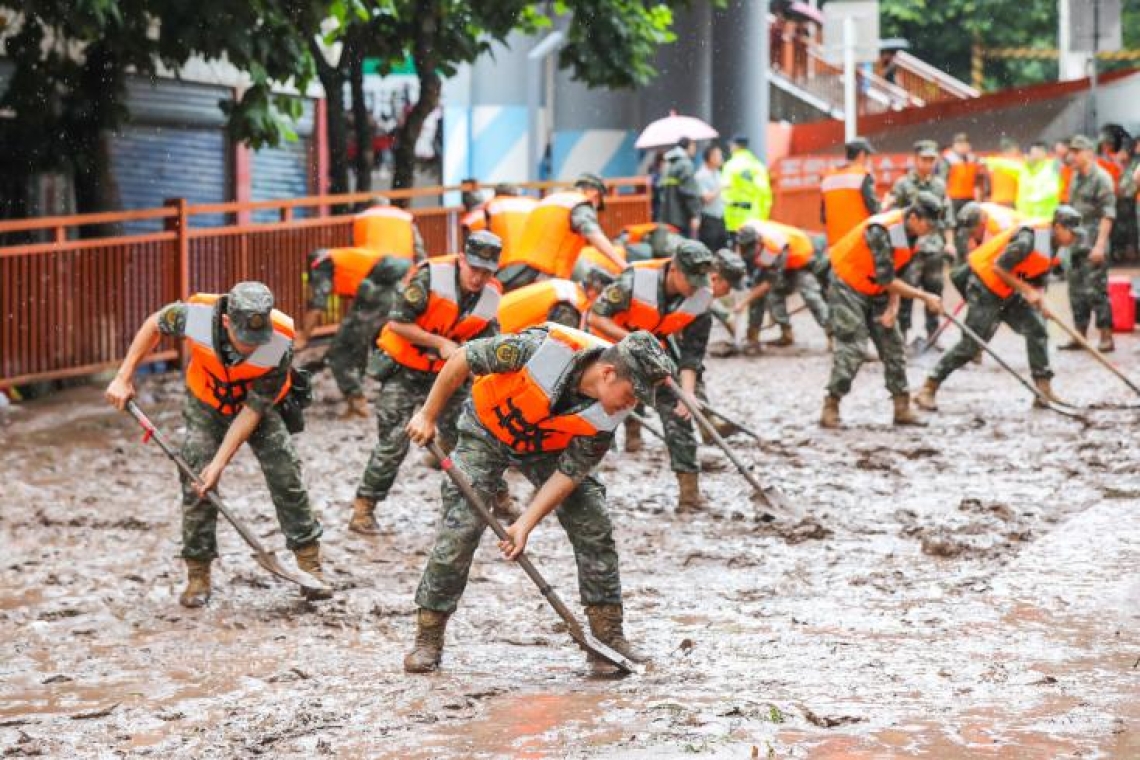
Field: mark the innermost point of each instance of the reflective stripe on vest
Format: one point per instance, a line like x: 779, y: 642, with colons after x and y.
x: 644, y: 312
x: 962, y: 176
x: 517, y: 407
x: 506, y: 217
x: 225, y: 387
x: 548, y: 243
x: 385, y: 229
x: 983, y: 261
x: 530, y: 305
x: 775, y: 238
x: 442, y: 317
x: 852, y: 260
x: 843, y: 205
x: 350, y: 267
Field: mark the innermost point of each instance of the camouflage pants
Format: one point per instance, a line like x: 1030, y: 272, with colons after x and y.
x: 987, y: 311
x: 399, y: 398
x: 853, y: 320
x: 354, y: 339
x: 583, y: 516
x: 1088, y: 291
x: 680, y: 435
x: 273, y: 447
x: 776, y: 299
x: 925, y: 272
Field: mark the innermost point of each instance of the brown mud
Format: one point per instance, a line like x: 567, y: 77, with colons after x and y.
x: 964, y: 590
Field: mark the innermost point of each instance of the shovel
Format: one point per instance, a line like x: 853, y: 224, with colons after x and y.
x: 265, y: 558
x: 920, y: 346
x: 584, y: 639
x: 1080, y: 339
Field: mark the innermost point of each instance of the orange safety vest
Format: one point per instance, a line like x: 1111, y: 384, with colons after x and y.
x: 843, y: 206
x: 636, y: 233
x: 518, y: 407
x: 999, y: 218
x: 350, y: 267
x: 442, y: 317
x: 507, y: 218
x: 962, y: 177
x: 596, y: 258
x: 386, y: 229
x: 852, y: 260
x: 984, y: 258
x: 475, y: 220
x: 548, y: 243
x: 225, y: 387
x: 530, y: 305
x: 1003, y: 186
x: 1066, y: 181
x: 644, y: 312
x: 775, y: 237
x: 1114, y: 170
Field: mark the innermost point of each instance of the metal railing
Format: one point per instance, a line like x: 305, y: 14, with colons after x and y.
x: 70, y: 307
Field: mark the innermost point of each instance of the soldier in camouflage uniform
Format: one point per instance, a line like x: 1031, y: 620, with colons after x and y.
x: 1010, y: 296
x: 239, y: 334
x: 590, y: 385
x: 417, y: 333
x: 1091, y: 194
x: 675, y: 307
x: 925, y: 271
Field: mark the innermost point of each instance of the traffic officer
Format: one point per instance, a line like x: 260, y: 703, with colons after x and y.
x: 240, y: 351
x: 449, y: 300
x: 847, y: 192
x: 747, y: 188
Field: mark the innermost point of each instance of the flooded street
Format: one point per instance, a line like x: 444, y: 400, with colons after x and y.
x: 965, y: 589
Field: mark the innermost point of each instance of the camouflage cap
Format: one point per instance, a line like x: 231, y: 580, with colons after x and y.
x: 1067, y: 216
x: 694, y: 260
x: 730, y: 266
x: 747, y: 235
x: 969, y: 215
x: 926, y: 149
x: 961, y: 137
x: 927, y: 205
x: 588, y: 180
x: 648, y: 363
x: 1081, y: 142
x: 249, y: 306
x: 482, y: 250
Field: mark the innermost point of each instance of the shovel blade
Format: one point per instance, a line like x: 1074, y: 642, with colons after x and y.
x: 293, y: 575
x: 609, y: 654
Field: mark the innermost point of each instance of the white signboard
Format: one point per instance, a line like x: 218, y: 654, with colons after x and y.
x: 866, y: 16
x: 1095, y: 17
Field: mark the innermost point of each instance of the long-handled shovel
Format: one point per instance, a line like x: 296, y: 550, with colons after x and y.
x: 584, y: 639
x: 264, y: 557
x: 1041, y: 397
x: 1080, y: 340
x: 920, y: 346
x: 642, y: 420
x: 738, y: 427
x: 769, y: 495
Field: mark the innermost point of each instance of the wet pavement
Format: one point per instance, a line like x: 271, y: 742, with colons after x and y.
x: 968, y: 589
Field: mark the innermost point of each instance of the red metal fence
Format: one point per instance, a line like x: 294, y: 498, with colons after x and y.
x: 70, y: 307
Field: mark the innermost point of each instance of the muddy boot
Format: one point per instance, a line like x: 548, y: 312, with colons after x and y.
x: 357, y: 406
x: 752, y: 345
x: 1073, y: 345
x: 632, y: 435
x: 787, y: 337
x: 829, y: 418
x: 363, y: 517
x: 1045, y: 388
x: 309, y: 560
x: 925, y: 398
x: 689, y: 492
x: 606, y: 625
x: 904, y: 415
x: 197, y: 591
x: 425, y: 656
x: 977, y: 357
x: 1106, y: 346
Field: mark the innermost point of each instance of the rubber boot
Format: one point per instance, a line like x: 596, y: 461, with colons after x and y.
x: 309, y: 560
x: 1073, y: 345
x: 606, y: 625
x: 752, y: 345
x: 689, y: 492
x: 925, y: 398
x: 363, y: 517
x: 904, y: 415
x: 829, y: 418
x: 787, y: 337
x: 428, y: 649
x: 1106, y: 346
x: 1045, y: 388
x: 357, y: 406
x: 632, y: 436
x: 197, y: 591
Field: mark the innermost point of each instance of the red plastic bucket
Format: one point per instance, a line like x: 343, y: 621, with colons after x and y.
x: 1123, y: 304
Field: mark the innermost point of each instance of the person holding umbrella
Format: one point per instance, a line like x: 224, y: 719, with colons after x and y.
x: 680, y: 194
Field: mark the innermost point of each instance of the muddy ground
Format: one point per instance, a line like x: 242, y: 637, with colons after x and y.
x: 969, y: 589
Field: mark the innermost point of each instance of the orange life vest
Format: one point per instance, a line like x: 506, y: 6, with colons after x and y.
x: 442, y: 317
x: 225, y: 387
x: 475, y: 220
x: 999, y: 218
x: 596, y: 258
x: 984, y: 259
x: 385, y: 229
x: 852, y: 260
x: 548, y: 243
x: 350, y: 267
x: 843, y: 206
x: 507, y: 217
x: 636, y: 233
x: 775, y: 237
x: 518, y: 407
x: 530, y: 305
x: 644, y: 312
x: 962, y: 175
x: 1003, y: 186
x: 1114, y: 170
